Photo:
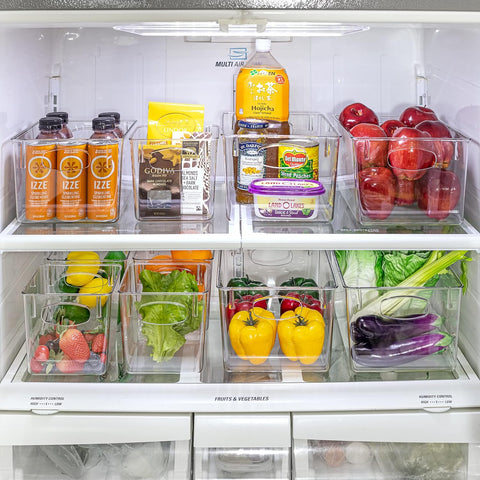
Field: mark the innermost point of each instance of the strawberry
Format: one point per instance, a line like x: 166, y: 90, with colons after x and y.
x: 103, y: 358
x: 43, y: 339
x: 67, y: 365
x: 89, y: 336
x: 36, y: 366
x: 99, y: 343
x: 74, y: 345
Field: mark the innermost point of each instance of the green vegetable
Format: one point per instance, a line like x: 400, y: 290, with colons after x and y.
x: 398, y: 265
x: 302, y: 282
x: 246, y: 282
x: 168, y: 318
x: 437, y: 263
x: 76, y: 313
x: 361, y: 268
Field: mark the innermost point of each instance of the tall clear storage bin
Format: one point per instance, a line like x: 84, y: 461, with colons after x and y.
x: 111, y: 447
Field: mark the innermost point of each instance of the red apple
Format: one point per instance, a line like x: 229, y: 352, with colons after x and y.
x: 410, y: 153
x: 373, y: 152
x: 405, y: 192
x: 412, y: 116
x: 438, y: 193
x: 377, y: 188
x: 443, y: 148
x: 389, y: 126
x: 356, y: 113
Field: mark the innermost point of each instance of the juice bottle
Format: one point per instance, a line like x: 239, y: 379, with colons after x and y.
x: 116, y: 116
x: 65, y: 128
x: 262, y: 92
x: 103, y: 171
x: 41, y: 162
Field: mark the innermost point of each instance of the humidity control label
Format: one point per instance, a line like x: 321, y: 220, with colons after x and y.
x: 46, y: 402
x: 437, y: 400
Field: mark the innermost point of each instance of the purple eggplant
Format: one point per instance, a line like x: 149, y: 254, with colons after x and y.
x: 377, y: 331
x: 401, y: 352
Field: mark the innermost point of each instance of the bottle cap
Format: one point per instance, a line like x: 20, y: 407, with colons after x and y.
x: 115, y: 115
x: 62, y: 115
x: 103, y: 123
x: 263, y: 44
x: 50, y: 123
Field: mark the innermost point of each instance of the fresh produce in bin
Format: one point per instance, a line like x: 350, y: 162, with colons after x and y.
x: 393, y: 297
x: 252, y: 334
x: 417, y: 156
x: 301, y: 333
x: 67, y: 313
x: 167, y: 318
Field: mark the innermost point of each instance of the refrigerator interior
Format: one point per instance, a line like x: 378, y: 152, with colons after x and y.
x: 87, y: 68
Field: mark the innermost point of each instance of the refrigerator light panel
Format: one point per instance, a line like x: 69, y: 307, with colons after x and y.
x: 215, y: 29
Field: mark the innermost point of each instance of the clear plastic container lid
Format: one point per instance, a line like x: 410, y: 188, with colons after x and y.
x: 286, y: 186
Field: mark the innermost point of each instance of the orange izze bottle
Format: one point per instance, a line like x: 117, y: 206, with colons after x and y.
x: 103, y: 171
x: 41, y: 162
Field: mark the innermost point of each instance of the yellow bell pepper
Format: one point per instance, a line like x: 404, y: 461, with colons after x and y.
x: 301, y: 333
x: 252, y: 334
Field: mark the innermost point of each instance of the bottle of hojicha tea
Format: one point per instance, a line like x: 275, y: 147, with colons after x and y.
x: 263, y: 93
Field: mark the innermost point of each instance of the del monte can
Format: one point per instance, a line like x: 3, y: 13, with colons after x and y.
x: 298, y: 159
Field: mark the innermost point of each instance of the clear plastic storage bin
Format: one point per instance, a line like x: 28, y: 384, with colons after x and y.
x: 164, y: 310
x: 67, y: 180
x: 276, y: 309
x: 309, y: 152
x: 67, y: 317
x: 391, y: 188
x: 399, y: 329
x: 174, y: 179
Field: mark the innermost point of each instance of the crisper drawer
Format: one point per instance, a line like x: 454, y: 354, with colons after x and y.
x: 386, y: 446
x: 246, y: 446
x: 92, y: 447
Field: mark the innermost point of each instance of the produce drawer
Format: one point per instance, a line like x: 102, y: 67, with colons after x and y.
x: 90, y: 447
x: 385, y: 446
x: 225, y: 446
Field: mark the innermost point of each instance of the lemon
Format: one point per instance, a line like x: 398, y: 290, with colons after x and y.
x: 82, y: 267
x: 94, y: 287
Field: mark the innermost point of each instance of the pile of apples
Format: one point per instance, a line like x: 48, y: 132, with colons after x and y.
x: 403, y: 161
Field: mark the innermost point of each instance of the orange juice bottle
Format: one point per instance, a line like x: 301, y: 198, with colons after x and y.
x: 263, y: 92
x: 71, y: 180
x: 103, y: 171
x: 41, y: 162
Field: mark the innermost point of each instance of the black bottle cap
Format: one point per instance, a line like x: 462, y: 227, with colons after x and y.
x: 62, y: 115
x: 103, y: 123
x: 50, y: 123
x: 115, y: 115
